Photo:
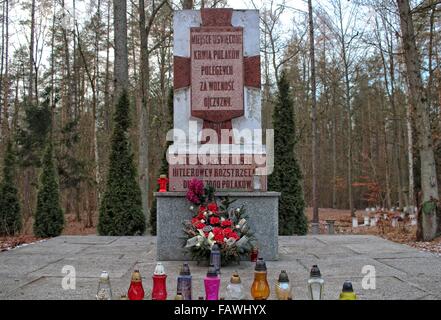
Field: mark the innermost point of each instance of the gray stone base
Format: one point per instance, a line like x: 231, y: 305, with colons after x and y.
x: 173, y: 210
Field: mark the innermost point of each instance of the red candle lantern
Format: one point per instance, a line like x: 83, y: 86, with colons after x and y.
x: 136, y: 291
x: 159, y: 291
x: 162, y: 181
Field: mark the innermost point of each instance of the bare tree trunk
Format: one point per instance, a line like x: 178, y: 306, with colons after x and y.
x: 52, y: 101
x: 144, y: 124
x: 410, y: 155
x: 107, y: 101
x: 94, y: 105
x: 390, y: 90
x: 2, y: 58
x: 334, y: 153
x: 67, y: 96
x: 345, y: 60
x: 75, y: 79
x: 188, y: 4
x: 121, y: 65
x: 5, y: 76
x: 315, y: 144
x: 418, y: 100
x: 31, y: 56
x: 386, y: 160
x: 144, y: 116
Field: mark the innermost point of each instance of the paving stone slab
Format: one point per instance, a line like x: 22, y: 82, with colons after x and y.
x: 88, y: 266
x: 49, y: 248
x: 50, y: 288
x: 8, y: 283
x: 34, y: 271
x: 379, y: 247
x: 428, y: 266
x: 350, y: 266
x: 88, y: 239
x: 22, y: 265
x: 430, y: 284
x: 344, y: 239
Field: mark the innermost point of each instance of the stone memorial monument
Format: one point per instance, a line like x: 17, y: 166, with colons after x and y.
x: 217, y: 133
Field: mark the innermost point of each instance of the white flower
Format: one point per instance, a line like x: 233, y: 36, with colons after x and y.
x: 237, y: 226
x: 203, y: 221
x: 210, y: 239
x: 222, y: 219
x: 191, y: 208
x: 238, y: 210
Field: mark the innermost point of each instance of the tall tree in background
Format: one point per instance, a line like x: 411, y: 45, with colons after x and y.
x: 32, y: 95
x: 164, y: 164
x: 286, y: 177
x: 315, y: 140
x: 145, y: 28
x: 10, y: 216
x: 121, y: 63
x: 420, y: 104
x: 49, y: 217
x: 4, y: 80
x: 121, y: 205
x: 344, y: 29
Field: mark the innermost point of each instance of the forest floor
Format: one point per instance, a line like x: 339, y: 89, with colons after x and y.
x: 404, y: 233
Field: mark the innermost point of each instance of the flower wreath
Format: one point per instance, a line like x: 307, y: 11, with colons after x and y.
x: 213, y: 223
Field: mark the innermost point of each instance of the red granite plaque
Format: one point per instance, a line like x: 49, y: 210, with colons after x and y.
x: 217, y: 77
x: 227, y: 172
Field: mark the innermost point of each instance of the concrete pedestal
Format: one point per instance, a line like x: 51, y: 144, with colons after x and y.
x: 173, y: 209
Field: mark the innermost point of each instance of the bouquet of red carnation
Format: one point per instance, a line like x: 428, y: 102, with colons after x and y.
x: 213, y: 223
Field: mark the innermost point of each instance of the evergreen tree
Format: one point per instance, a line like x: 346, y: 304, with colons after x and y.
x: 121, y: 206
x: 164, y: 164
x: 10, y: 215
x: 49, y: 218
x: 286, y: 177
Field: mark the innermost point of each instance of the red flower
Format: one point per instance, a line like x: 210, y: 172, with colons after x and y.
x: 227, y: 232
x: 202, y: 209
x: 219, y: 238
x: 212, y: 207
x: 226, y: 223
x: 200, y: 225
x: 217, y: 230
x: 234, y: 236
x: 200, y: 216
x: 194, y: 220
x: 214, y: 220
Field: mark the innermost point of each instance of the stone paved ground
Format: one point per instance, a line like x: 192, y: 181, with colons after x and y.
x: 35, y: 271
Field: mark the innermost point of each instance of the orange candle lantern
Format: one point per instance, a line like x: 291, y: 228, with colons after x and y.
x: 260, y: 289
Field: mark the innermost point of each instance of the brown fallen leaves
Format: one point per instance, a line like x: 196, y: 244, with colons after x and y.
x: 7, y: 243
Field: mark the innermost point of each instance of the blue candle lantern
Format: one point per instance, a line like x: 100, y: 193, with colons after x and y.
x: 184, y: 282
x: 215, y: 257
